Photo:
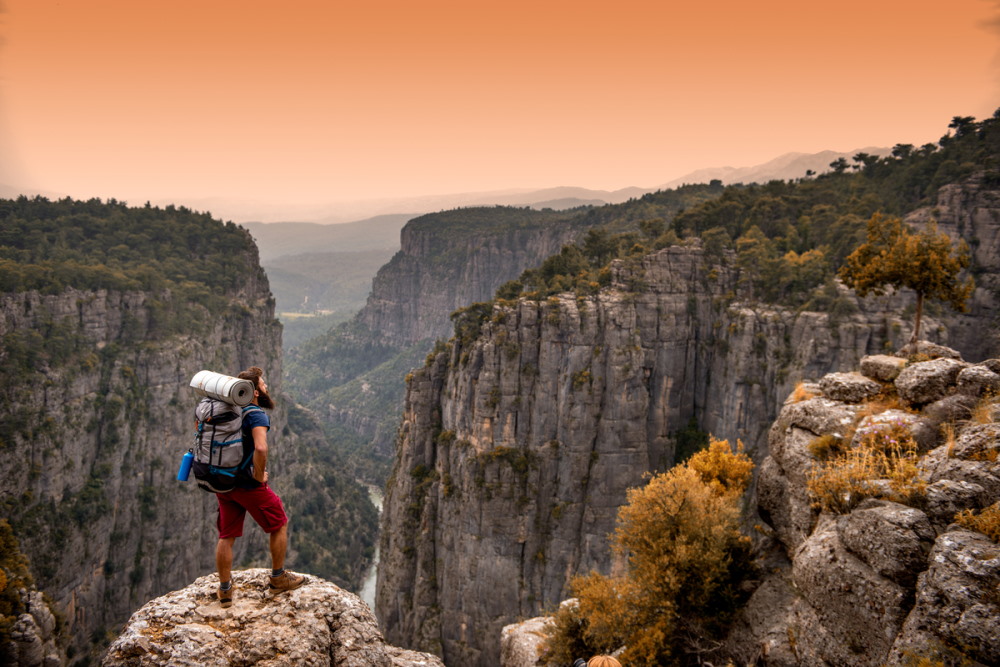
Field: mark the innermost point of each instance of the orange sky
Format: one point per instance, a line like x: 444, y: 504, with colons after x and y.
x: 311, y: 101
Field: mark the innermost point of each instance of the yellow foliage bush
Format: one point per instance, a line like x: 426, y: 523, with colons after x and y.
x: 685, y: 557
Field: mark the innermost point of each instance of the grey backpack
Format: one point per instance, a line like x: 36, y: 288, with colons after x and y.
x: 220, y: 458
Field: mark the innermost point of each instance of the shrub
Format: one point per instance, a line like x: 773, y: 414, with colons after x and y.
x: 986, y: 522
x: 883, y: 464
x: 685, y: 557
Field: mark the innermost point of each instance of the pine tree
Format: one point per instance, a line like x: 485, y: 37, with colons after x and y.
x: 926, y: 262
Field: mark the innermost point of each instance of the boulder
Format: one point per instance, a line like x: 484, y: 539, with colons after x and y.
x: 892, y: 539
x: 861, y: 609
x: 317, y: 624
x: 848, y: 387
x: 940, y: 464
x: 977, y: 380
x: 954, y: 408
x: 947, y: 497
x: 923, y: 430
x: 882, y: 367
x: 928, y: 381
x: 782, y: 497
x: 956, y: 603
x: 925, y: 348
x: 979, y: 442
x: 520, y: 643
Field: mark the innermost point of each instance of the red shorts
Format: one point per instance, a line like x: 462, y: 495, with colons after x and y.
x: 263, y: 504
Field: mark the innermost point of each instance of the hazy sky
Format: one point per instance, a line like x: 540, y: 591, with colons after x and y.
x: 311, y: 101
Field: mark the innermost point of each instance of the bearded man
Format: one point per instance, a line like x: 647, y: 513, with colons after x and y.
x: 252, y: 494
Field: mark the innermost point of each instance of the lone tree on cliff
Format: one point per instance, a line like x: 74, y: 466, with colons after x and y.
x: 894, y: 256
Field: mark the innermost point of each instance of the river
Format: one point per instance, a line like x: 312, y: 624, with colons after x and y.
x: 368, y: 587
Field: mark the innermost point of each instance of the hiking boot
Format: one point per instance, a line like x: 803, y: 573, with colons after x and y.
x: 226, y: 597
x: 285, y: 581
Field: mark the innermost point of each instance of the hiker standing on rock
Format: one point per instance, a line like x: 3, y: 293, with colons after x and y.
x: 252, y: 494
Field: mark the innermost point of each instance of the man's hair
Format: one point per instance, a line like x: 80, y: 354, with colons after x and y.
x: 254, y: 374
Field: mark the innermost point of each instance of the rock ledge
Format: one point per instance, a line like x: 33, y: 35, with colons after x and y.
x: 317, y: 624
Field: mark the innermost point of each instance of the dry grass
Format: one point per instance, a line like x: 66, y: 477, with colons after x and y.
x: 983, y: 412
x: 882, y: 465
x: 801, y: 393
x: 948, y: 431
x: 986, y: 522
x: 826, y: 447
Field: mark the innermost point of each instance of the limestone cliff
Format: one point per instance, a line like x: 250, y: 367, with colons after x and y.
x: 869, y: 570
x: 93, y: 444
x: 518, y: 444
x: 520, y: 438
x: 886, y: 578
x: 451, y: 259
x: 317, y: 624
x: 96, y: 413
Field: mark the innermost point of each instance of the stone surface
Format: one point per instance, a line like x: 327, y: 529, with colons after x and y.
x: 977, y: 380
x: 928, y: 381
x: 316, y: 624
x: 954, y: 408
x: 863, y: 610
x: 957, y: 603
x: 882, y: 367
x: 848, y: 387
x: 947, y: 497
x: 520, y: 643
x: 892, y: 539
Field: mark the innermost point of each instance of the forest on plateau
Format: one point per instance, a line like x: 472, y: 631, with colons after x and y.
x: 790, y: 237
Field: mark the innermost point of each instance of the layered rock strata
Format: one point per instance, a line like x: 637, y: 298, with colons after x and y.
x: 518, y: 444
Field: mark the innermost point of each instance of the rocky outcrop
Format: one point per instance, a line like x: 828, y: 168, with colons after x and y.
x: 451, y: 259
x: 884, y: 582
x: 94, y: 439
x: 317, y: 624
x: 33, y: 635
x: 96, y: 415
x: 518, y: 445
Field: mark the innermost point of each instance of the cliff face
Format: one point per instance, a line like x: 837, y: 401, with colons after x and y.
x: 520, y: 439
x: 518, y: 445
x: 970, y: 210
x: 353, y: 375
x: 105, y: 315
x: 93, y: 435
x: 440, y: 269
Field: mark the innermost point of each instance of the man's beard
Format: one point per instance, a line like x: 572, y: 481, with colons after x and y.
x: 264, y: 400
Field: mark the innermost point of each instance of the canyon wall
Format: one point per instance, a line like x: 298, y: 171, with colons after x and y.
x: 520, y: 438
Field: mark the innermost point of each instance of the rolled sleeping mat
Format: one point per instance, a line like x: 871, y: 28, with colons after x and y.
x: 223, y: 387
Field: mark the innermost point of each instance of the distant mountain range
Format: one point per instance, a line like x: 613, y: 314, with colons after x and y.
x: 785, y: 167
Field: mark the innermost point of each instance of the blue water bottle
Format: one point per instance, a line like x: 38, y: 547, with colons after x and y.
x: 185, y: 469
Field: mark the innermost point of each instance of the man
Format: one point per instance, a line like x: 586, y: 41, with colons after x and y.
x: 253, y: 495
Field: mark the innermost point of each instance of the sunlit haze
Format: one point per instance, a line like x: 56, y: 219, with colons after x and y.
x: 319, y: 101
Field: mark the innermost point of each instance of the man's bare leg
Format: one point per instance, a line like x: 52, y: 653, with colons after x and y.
x: 279, y: 545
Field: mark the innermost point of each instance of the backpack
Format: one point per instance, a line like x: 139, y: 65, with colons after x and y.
x: 220, y: 457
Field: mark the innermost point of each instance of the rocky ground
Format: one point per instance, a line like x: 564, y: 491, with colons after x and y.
x: 318, y: 624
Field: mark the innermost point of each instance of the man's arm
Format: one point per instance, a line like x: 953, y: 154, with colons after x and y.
x: 260, y: 453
